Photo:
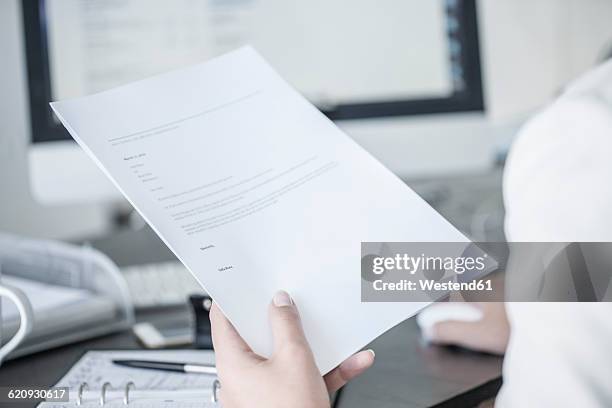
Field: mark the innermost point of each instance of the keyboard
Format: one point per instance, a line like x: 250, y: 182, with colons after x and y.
x: 160, y: 284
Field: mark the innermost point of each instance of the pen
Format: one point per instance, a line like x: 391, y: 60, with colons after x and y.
x: 169, y: 366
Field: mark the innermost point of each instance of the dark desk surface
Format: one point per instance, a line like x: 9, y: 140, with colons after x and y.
x: 411, y: 374
x: 407, y: 373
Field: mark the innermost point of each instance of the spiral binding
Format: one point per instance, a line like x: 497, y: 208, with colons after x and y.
x: 130, y: 386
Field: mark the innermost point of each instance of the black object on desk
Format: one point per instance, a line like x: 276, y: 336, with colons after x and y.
x: 201, y: 305
x: 169, y: 366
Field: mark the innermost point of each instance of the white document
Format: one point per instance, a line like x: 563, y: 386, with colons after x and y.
x: 255, y: 190
x: 152, y: 388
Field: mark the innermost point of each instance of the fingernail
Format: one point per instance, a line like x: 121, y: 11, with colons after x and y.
x: 282, y: 299
x: 357, y: 362
x: 372, y: 351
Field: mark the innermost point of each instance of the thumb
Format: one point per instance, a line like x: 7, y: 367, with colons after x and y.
x: 285, y: 322
x: 351, y: 367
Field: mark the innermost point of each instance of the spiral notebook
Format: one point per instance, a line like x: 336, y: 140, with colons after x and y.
x: 151, y: 388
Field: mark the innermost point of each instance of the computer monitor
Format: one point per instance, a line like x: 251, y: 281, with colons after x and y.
x: 359, y: 61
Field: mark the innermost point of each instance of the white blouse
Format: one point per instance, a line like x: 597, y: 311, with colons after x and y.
x: 558, y: 188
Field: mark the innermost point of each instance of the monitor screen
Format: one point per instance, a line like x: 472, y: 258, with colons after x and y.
x: 351, y: 58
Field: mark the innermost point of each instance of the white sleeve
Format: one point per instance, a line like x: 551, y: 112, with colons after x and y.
x: 558, y: 187
x: 558, y: 178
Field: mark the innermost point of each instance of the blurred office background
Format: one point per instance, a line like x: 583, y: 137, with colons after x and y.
x: 435, y: 89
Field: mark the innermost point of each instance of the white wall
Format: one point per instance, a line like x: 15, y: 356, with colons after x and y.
x: 532, y: 48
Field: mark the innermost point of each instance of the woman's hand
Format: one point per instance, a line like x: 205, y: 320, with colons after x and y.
x: 489, y: 334
x: 290, y: 377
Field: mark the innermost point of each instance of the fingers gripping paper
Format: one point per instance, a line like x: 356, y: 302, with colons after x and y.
x: 255, y: 190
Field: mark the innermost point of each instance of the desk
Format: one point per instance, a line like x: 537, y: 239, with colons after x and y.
x: 407, y: 373
x: 411, y: 374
